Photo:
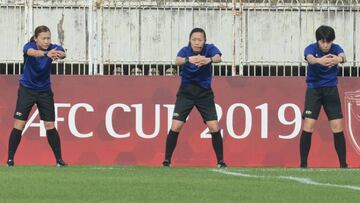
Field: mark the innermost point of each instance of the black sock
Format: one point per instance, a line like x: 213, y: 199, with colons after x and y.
x: 14, y: 141
x: 340, y: 147
x: 171, y: 141
x: 54, y: 142
x: 217, y: 143
x: 305, y: 144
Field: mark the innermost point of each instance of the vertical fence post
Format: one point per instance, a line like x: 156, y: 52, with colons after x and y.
x: 233, y: 65
x: 236, y: 13
x: 99, y: 36
x: 242, y: 43
x: 91, y: 37
x: 29, y: 20
x: 95, y: 33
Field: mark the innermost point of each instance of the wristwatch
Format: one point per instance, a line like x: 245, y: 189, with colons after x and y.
x: 45, y: 53
x: 342, y: 59
x: 186, y: 59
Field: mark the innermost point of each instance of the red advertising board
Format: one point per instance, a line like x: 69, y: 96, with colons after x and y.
x: 114, y: 120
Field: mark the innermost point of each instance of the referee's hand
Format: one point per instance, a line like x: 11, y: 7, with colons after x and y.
x: 199, y: 60
x: 330, y: 60
x: 55, y: 54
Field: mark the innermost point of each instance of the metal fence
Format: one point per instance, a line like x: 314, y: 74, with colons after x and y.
x: 116, y: 37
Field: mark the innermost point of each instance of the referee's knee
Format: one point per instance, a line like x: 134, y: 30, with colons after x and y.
x: 213, y: 126
x: 49, y: 125
x: 335, y: 128
x: 309, y: 129
x: 176, y: 125
x: 19, y: 124
x: 214, y: 129
x: 309, y: 125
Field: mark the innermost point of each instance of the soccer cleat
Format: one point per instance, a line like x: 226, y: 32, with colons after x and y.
x: 61, y: 163
x: 221, y: 165
x: 166, y: 163
x: 10, y: 163
x: 303, y: 165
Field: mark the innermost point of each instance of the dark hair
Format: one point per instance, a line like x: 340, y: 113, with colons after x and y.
x: 197, y: 30
x: 325, y: 33
x: 38, y: 30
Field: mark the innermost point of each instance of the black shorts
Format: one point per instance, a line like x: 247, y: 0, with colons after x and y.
x: 328, y: 97
x: 190, y: 96
x: 26, y: 100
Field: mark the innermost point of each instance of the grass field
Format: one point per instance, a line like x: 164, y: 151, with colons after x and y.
x: 155, y: 184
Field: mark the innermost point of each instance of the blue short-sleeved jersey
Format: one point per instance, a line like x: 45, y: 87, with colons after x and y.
x: 319, y: 75
x: 191, y: 74
x: 37, y: 70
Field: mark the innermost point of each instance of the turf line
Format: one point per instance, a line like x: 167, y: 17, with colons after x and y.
x: 307, y: 181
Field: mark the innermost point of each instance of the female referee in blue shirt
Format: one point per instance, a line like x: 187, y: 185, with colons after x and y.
x: 35, y: 88
x: 323, y: 57
x: 195, y: 90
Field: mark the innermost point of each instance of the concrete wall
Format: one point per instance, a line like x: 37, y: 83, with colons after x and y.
x: 144, y: 32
